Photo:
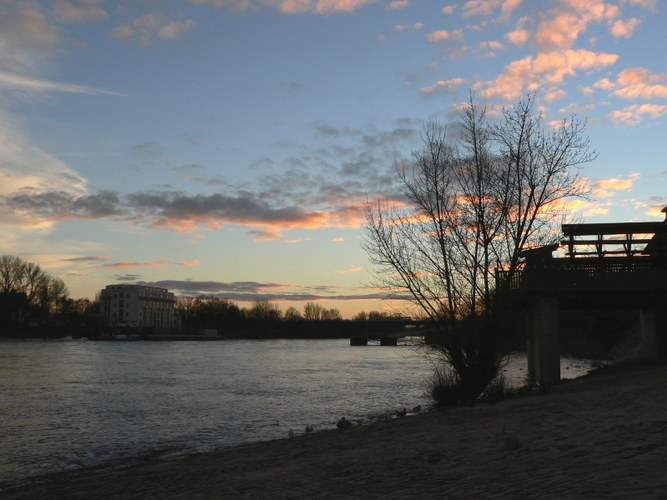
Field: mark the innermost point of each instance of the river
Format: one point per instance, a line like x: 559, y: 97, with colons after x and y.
x: 73, y: 404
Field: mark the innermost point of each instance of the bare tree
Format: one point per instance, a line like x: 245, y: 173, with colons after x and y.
x: 471, y: 207
x: 292, y: 313
x: 262, y: 309
x: 11, y: 273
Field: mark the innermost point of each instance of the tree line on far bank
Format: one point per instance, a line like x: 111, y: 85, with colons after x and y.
x: 30, y: 296
x: 211, y: 312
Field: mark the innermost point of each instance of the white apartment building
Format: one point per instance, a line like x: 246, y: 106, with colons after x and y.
x: 138, y: 306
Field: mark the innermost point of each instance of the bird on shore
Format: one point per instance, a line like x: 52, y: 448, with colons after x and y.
x: 309, y: 428
x: 402, y: 413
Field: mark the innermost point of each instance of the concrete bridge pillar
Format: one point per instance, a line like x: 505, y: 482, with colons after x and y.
x: 652, y: 325
x: 543, y: 350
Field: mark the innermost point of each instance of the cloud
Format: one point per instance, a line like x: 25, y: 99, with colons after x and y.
x: 605, y: 188
x: 480, y: 7
x: 401, y: 28
x: 636, y: 113
x: 84, y: 12
x: 647, y: 4
x: 560, y: 32
x: 339, y: 239
x: 445, y: 36
x: 26, y: 35
x: 398, y: 4
x: 351, y: 269
x: 150, y: 150
x: 248, y: 291
x: 125, y: 265
x: 443, y: 86
x: 33, y: 204
x: 636, y: 83
x: 625, y: 29
x: 127, y: 277
x: 551, y: 68
x: 175, y: 29
x: 559, y: 27
x: 85, y: 259
x: 26, y: 170
x: 28, y: 84
x: 190, y: 264
x: 291, y: 6
x: 152, y: 25
x: 330, y: 190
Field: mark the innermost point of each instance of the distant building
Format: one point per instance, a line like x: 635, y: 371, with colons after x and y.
x: 138, y: 306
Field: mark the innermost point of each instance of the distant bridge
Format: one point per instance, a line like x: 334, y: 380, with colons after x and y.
x: 386, y: 332
x: 606, y: 266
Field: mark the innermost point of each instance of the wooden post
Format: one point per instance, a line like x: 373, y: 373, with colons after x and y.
x: 543, y: 351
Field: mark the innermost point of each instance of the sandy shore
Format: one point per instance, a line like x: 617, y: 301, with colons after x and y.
x: 604, y: 436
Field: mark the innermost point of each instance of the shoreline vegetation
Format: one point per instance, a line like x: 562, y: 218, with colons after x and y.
x: 600, y: 436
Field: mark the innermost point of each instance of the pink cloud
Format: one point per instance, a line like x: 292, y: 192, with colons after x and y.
x: 190, y: 264
x: 635, y: 114
x: 125, y: 265
x: 448, y: 86
x: 605, y: 188
x: 351, y: 269
x: 398, y: 4
x: 624, y: 29
x: 560, y: 32
x: 518, y: 37
x: 444, y: 36
x: 633, y: 83
x: 532, y: 73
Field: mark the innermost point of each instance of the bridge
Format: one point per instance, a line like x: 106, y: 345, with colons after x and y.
x: 607, y: 266
x: 387, y: 332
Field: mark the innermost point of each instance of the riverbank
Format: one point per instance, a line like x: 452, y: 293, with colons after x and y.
x: 601, y: 436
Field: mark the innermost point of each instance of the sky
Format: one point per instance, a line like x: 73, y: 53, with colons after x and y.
x: 229, y: 147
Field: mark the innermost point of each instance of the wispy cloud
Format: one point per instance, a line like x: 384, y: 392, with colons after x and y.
x: 193, y: 263
x: 85, y: 259
x: 25, y: 83
x: 125, y: 265
x: 351, y: 269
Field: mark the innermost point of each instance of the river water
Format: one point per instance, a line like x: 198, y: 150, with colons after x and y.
x: 74, y: 404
